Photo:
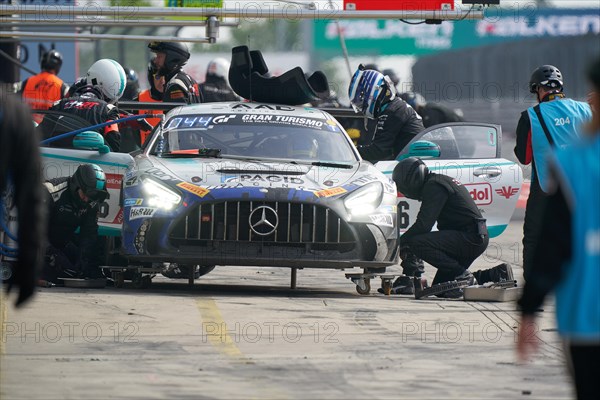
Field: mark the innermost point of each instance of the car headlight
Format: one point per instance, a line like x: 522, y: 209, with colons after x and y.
x: 160, y: 195
x: 364, y: 200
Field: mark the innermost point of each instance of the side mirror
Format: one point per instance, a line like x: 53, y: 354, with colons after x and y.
x: 422, y: 149
x: 90, y: 140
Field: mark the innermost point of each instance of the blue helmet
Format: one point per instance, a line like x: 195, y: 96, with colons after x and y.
x: 369, y: 90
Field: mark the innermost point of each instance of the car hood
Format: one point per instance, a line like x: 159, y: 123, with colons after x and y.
x: 227, y: 172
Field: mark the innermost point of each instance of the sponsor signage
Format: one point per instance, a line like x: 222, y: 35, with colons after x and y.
x: 480, y: 192
x: 383, y: 219
x: 113, y: 181
x: 507, y: 191
x: 330, y: 192
x: 141, y: 212
x: 394, y: 37
x: 197, y: 190
x: 133, y: 202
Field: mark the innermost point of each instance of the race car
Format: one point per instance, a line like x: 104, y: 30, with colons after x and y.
x: 268, y: 184
x: 256, y: 184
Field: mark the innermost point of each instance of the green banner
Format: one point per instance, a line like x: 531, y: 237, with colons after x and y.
x: 194, y: 3
x: 394, y: 37
x: 383, y: 37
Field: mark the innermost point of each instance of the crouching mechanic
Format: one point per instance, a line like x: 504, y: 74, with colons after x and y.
x: 73, y: 203
x: 461, y: 237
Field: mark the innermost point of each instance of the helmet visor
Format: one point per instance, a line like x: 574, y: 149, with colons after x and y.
x: 357, y: 108
x: 96, y: 195
x: 356, y: 92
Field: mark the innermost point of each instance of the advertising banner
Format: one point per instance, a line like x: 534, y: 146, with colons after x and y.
x: 394, y: 37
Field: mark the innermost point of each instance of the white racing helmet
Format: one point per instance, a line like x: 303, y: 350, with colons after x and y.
x: 218, y: 67
x: 108, y: 76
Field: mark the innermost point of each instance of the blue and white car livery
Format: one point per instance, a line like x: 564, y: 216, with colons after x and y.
x: 257, y: 184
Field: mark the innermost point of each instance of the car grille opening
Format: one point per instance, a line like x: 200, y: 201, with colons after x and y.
x: 282, y: 223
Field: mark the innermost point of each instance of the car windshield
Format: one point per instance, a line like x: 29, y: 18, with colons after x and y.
x: 258, y: 136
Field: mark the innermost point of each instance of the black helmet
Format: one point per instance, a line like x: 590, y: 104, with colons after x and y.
x: 414, y: 99
x: 372, y: 66
x: 177, y: 54
x: 51, y: 59
x: 130, y: 74
x: 150, y: 73
x: 392, y: 74
x: 132, y: 87
x: 548, y: 76
x: 91, y: 180
x: 410, y: 175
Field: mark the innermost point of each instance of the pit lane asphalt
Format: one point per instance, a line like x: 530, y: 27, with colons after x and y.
x: 241, y: 333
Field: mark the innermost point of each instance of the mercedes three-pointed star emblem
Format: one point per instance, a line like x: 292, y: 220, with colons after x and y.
x: 263, y: 220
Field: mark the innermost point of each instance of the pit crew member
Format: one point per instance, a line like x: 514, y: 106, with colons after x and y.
x: 553, y: 122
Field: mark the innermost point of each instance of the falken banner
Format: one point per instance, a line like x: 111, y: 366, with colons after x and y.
x: 395, y: 37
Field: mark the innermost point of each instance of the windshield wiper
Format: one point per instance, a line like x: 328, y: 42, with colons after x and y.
x: 325, y: 164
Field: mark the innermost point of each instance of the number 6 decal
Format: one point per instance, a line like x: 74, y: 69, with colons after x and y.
x: 403, y: 220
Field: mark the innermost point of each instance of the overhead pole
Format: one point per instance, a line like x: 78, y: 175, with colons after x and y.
x: 213, y: 17
x: 81, y: 22
x: 340, y: 33
x: 143, y: 38
x: 124, y: 14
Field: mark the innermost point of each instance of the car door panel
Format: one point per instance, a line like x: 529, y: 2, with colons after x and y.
x: 493, y: 182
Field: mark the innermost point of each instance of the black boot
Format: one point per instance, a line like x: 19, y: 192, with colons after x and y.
x: 403, y: 285
x: 499, y: 273
x: 412, y: 265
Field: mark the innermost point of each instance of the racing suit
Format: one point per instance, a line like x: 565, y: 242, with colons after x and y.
x: 87, y: 108
x: 20, y: 163
x: 181, y: 88
x: 396, y: 126
x: 216, y: 89
x: 68, y: 253
x: 458, y: 241
x: 524, y: 150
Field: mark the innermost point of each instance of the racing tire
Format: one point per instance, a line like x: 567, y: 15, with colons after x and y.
x: 205, y: 269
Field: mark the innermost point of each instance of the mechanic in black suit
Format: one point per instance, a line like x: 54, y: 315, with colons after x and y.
x: 73, y: 203
x: 462, y: 234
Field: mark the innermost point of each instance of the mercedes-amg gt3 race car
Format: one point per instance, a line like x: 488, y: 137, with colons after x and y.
x: 256, y: 184
x: 273, y: 185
